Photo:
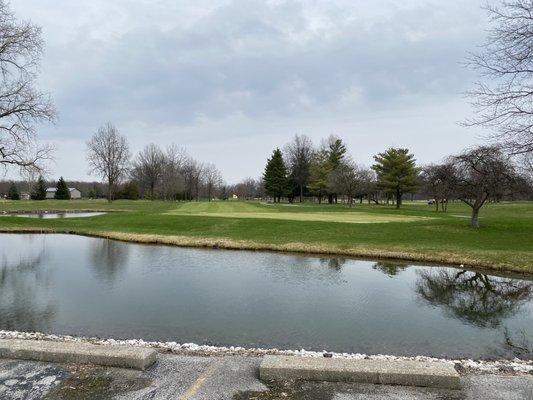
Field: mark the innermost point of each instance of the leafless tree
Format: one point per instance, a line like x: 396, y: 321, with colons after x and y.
x: 480, y: 174
x: 172, y: 178
x: 148, y: 167
x: 345, y: 179
x: 22, y: 105
x: 192, y: 175
x: 299, y: 154
x: 504, y: 101
x: 108, y: 156
x: 212, y: 179
x: 247, y: 189
x: 436, y: 183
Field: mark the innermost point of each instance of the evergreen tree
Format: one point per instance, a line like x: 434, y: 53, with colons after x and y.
x: 130, y: 191
x: 320, y: 170
x: 39, y: 190
x: 275, y: 176
x: 62, y: 192
x: 397, y: 172
x: 13, y: 193
x: 336, y: 152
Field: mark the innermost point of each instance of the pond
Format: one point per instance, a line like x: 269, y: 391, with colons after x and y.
x: 69, y: 284
x: 55, y: 215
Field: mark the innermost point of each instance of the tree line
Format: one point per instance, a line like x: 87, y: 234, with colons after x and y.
x: 328, y: 172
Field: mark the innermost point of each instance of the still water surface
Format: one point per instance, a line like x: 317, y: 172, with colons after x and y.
x: 87, y: 286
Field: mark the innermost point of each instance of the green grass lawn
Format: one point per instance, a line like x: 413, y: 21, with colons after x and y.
x: 416, y: 232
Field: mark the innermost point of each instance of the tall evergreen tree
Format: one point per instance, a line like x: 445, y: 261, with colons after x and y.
x: 336, y: 152
x: 275, y: 176
x: 320, y: 171
x: 13, y: 193
x: 39, y: 190
x: 62, y: 192
x: 397, y: 172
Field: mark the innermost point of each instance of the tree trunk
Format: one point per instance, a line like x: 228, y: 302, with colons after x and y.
x: 301, y: 193
x: 398, y: 199
x: 109, y: 192
x: 437, y: 205
x: 474, y: 220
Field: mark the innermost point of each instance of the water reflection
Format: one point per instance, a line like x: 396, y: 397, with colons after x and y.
x: 108, y: 259
x: 473, y: 297
x: 333, y: 263
x: 390, y: 268
x: 20, y: 285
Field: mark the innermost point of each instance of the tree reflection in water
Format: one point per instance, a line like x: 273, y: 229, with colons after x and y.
x: 389, y: 268
x: 333, y: 263
x: 473, y: 297
x: 20, y: 284
x: 109, y: 258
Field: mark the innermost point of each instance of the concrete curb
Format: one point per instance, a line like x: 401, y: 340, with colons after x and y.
x: 407, y: 373
x: 77, y: 352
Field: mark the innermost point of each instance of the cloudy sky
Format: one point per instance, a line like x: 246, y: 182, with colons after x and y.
x: 231, y: 80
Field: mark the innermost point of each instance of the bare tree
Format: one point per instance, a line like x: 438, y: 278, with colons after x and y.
x: 436, y: 183
x: 108, y: 156
x: 504, y: 102
x: 148, y: 168
x: 299, y: 154
x: 172, y: 177
x: 192, y: 176
x: 480, y: 174
x: 345, y: 179
x: 212, y: 179
x: 22, y: 105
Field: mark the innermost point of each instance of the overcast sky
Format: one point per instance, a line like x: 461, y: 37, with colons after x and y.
x: 231, y: 81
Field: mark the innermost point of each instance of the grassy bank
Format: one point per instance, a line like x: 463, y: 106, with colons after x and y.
x: 415, y: 232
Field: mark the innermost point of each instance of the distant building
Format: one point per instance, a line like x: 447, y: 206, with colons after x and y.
x: 74, y: 193
x: 24, y: 196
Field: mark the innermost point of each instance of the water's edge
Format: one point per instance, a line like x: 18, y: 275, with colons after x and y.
x: 515, y: 366
x: 452, y: 261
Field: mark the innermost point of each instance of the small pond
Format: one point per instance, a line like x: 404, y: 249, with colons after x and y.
x: 78, y: 285
x: 55, y: 215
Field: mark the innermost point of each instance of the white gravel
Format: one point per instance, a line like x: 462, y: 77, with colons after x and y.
x: 510, y: 366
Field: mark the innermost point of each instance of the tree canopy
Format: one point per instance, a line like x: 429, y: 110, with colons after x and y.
x: 62, y: 192
x: 275, y: 176
x: 396, y: 172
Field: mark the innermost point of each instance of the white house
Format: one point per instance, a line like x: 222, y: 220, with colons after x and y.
x: 74, y: 193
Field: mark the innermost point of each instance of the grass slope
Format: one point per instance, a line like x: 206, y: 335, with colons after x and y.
x: 415, y: 232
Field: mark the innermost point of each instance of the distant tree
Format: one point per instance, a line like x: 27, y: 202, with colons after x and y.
x: 336, y: 152
x: 396, y: 172
x: 148, y: 168
x: 130, y: 191
x: 62, y: 192
x: 299, y: 154
x: 108, y: 156
x: 320, y: 170
x: 480, y: 174
x: 13, y: 193
x: 437, y: 184
x: 275, y: 176
x: 172, y: 177
x: 247, y: 189
x: 39, y: 190
x: 503, y: 101
x: 212, y: 179
x: 22, y: 104
x: 192, y: 172
x: 345, y: 179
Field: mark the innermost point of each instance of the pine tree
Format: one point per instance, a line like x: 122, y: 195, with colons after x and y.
x: 62, y: 192
x: 13, y: 193
x: 320, y: 170
x: 39, y: 190
x: 397, y: 172
x: 275, y: 176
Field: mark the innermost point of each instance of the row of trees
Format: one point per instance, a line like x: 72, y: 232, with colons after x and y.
x: 328, y: 171
x: 474, y: 176
x: 38, y: 191
x: 153, y: 173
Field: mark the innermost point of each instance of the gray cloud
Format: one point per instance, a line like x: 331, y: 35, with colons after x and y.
x: 194, y: 73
